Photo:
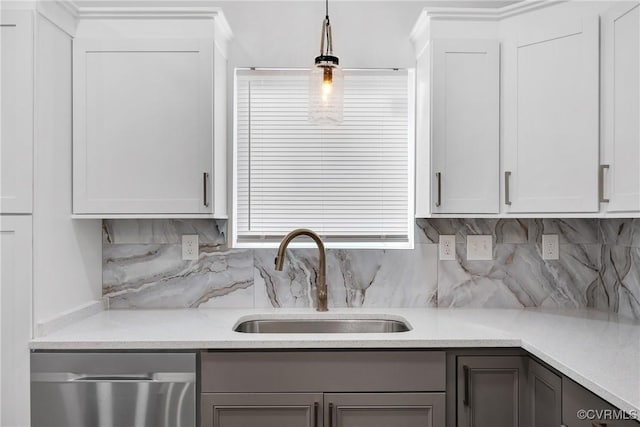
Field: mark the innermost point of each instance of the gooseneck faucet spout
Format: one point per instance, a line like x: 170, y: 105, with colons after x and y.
x: 321, y: 286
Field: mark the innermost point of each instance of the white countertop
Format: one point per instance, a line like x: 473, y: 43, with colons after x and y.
x: 597, y: 350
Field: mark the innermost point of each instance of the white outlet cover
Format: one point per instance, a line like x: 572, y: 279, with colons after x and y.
x: 480, y: 247
x: 550, y: 247
x: 447, y: 247
x: 190, y: 249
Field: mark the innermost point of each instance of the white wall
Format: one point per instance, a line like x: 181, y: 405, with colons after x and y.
x: 67, y: 254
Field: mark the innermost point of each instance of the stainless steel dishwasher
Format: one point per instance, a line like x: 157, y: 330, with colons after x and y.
x: 113, y: 389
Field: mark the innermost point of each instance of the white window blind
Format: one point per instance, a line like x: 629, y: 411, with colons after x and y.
x: 351, y: 183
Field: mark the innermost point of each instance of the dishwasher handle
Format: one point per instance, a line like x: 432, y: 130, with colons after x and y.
x: 156, y: 377
x: 112, y: 378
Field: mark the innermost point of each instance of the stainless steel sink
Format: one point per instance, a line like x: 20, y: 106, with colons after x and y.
x: 321, y: 326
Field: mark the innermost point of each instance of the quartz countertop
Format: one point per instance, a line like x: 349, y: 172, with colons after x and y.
x: 598, y: 350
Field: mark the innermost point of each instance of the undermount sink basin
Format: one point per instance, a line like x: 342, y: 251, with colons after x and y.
x: 321, y: 326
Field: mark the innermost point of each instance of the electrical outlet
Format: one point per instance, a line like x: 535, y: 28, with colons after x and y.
x: 480, y: 247
x: 447, y: 247
x: 190, y: 250
x: 550, y: 247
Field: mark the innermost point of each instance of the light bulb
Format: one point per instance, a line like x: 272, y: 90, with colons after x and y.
x: 327, y: 75
x: 327, y: 83
x: 326, y: 91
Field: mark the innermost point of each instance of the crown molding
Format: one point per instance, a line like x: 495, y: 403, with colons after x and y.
x: 145, y: 10
x: 476, y: 14
x: 485, y: 14
x: 69, y: 5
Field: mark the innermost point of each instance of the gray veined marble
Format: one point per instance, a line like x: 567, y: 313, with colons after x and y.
x: 163, y: 231
x: 518, y: 277
x: 621, y: 232
x: 599, y: 267
x: 569, y: 230
x: 620, y: 289
x: 154, y: 276
x: 355, y: 278
x: 294, y: 285
x: 502, y: 230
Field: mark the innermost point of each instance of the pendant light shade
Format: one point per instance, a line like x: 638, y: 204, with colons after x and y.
x: 326, y: 81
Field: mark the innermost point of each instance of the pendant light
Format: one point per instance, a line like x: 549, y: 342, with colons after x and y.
x: 326, y: 81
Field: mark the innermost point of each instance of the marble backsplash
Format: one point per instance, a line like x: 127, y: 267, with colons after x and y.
x: 599, y: 267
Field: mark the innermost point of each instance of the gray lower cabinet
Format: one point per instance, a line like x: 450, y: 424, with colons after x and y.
x: 581, y: 408
x: 545, y: 396
x: 334, y: 388
x: 318, y: 410
x: 261, y: 410
x: 384, y: 409
x: 492, y: 391
x: 393, y: 388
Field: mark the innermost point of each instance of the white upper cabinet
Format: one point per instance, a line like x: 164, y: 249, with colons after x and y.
x: 16, y: 149
x: 529, y: 109
x: 143, y: 123
x: 457, y: 115
x: 620, y: 108
x: 149, y: 118
x: 551, y: 112
x: 465, y: 126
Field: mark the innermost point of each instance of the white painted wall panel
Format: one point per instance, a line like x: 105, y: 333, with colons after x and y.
x: 15, y: 319
x: 67, y: 253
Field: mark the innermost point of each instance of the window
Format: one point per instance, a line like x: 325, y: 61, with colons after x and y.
x: 351, y: 183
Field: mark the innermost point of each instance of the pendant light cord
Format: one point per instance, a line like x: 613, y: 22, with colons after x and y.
x: 326, y: 42
x: 328, y: 30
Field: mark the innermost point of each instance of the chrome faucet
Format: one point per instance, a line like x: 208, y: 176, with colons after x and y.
x: 321, y: 286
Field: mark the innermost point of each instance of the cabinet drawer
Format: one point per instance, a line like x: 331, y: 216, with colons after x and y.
x: 340, y: 371
x: 261, y: 410
x: 384, y: 409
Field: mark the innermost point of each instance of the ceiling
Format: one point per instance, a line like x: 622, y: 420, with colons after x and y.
x: 424, y: 3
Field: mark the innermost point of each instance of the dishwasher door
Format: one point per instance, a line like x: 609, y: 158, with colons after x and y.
x: 113, y: 389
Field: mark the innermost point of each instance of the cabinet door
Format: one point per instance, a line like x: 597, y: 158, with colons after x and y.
x: 15, y: 318
x: 385, y: 409
x: 143, y: 126
x: 465, y: 126
x: 552, y: 115
x: 492, y: 391
x: 545, y: 396
x: 16, y: 80
x: 261, y: 410
x: 621, y: 107
x: 576, y: 400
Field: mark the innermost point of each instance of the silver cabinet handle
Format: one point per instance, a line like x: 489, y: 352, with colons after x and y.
x: 439, y: 196
x: 601, y: 183
x: 330, y: 414
x: 507, y: 196
x: 205, y: 180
